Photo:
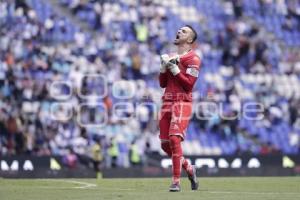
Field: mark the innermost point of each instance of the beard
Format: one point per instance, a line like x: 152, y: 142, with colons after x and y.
x: 176, y: 42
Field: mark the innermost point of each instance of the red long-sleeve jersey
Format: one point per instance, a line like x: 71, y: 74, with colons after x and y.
x: 180, y: 87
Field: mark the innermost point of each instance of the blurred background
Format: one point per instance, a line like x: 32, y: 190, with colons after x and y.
x: 60, y: 55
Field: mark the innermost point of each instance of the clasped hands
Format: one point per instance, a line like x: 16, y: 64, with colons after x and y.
x: 169, y: 63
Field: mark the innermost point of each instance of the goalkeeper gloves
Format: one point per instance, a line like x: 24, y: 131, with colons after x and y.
x: 164, y: 59
x: 169, y: 63
x: 172, y: 65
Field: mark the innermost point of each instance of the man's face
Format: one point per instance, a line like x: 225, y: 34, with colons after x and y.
x: 184, y: 35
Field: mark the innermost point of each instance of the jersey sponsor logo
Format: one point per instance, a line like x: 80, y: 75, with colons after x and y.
x: 192, y: 71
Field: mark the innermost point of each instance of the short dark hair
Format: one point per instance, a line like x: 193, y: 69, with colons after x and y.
x: 194, y: 32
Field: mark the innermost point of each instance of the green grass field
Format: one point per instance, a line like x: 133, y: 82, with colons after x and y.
x: 283, y: 188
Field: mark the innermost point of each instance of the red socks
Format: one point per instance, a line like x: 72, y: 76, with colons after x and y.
x: 175, y: 144
x: 185, y: 164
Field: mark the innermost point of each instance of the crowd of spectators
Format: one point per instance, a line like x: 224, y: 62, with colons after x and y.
x: 45, y: 84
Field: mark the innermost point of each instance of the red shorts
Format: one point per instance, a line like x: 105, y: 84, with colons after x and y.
x: 174, y: 119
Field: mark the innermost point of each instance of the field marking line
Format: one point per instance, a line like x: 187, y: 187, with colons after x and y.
x: 84, y: 185
x: 91, y: 185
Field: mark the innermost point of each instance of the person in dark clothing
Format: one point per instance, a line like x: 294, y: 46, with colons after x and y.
x: 237, y: 8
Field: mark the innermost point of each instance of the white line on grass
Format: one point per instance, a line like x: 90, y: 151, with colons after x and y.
x: 84, y: 185
x: 91, y: 185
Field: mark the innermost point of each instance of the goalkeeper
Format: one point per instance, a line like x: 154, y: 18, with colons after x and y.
x: 178, y: 75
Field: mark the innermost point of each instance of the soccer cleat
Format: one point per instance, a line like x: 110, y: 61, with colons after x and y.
x: 193, y: 178
x: 175, y: 187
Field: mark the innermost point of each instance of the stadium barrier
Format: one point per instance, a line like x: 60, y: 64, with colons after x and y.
x: 271, y: 165
x: 56, y: 167
x: 44, y: 167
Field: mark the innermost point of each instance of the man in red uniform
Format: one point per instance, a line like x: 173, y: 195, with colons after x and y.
x: 178, y: 75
